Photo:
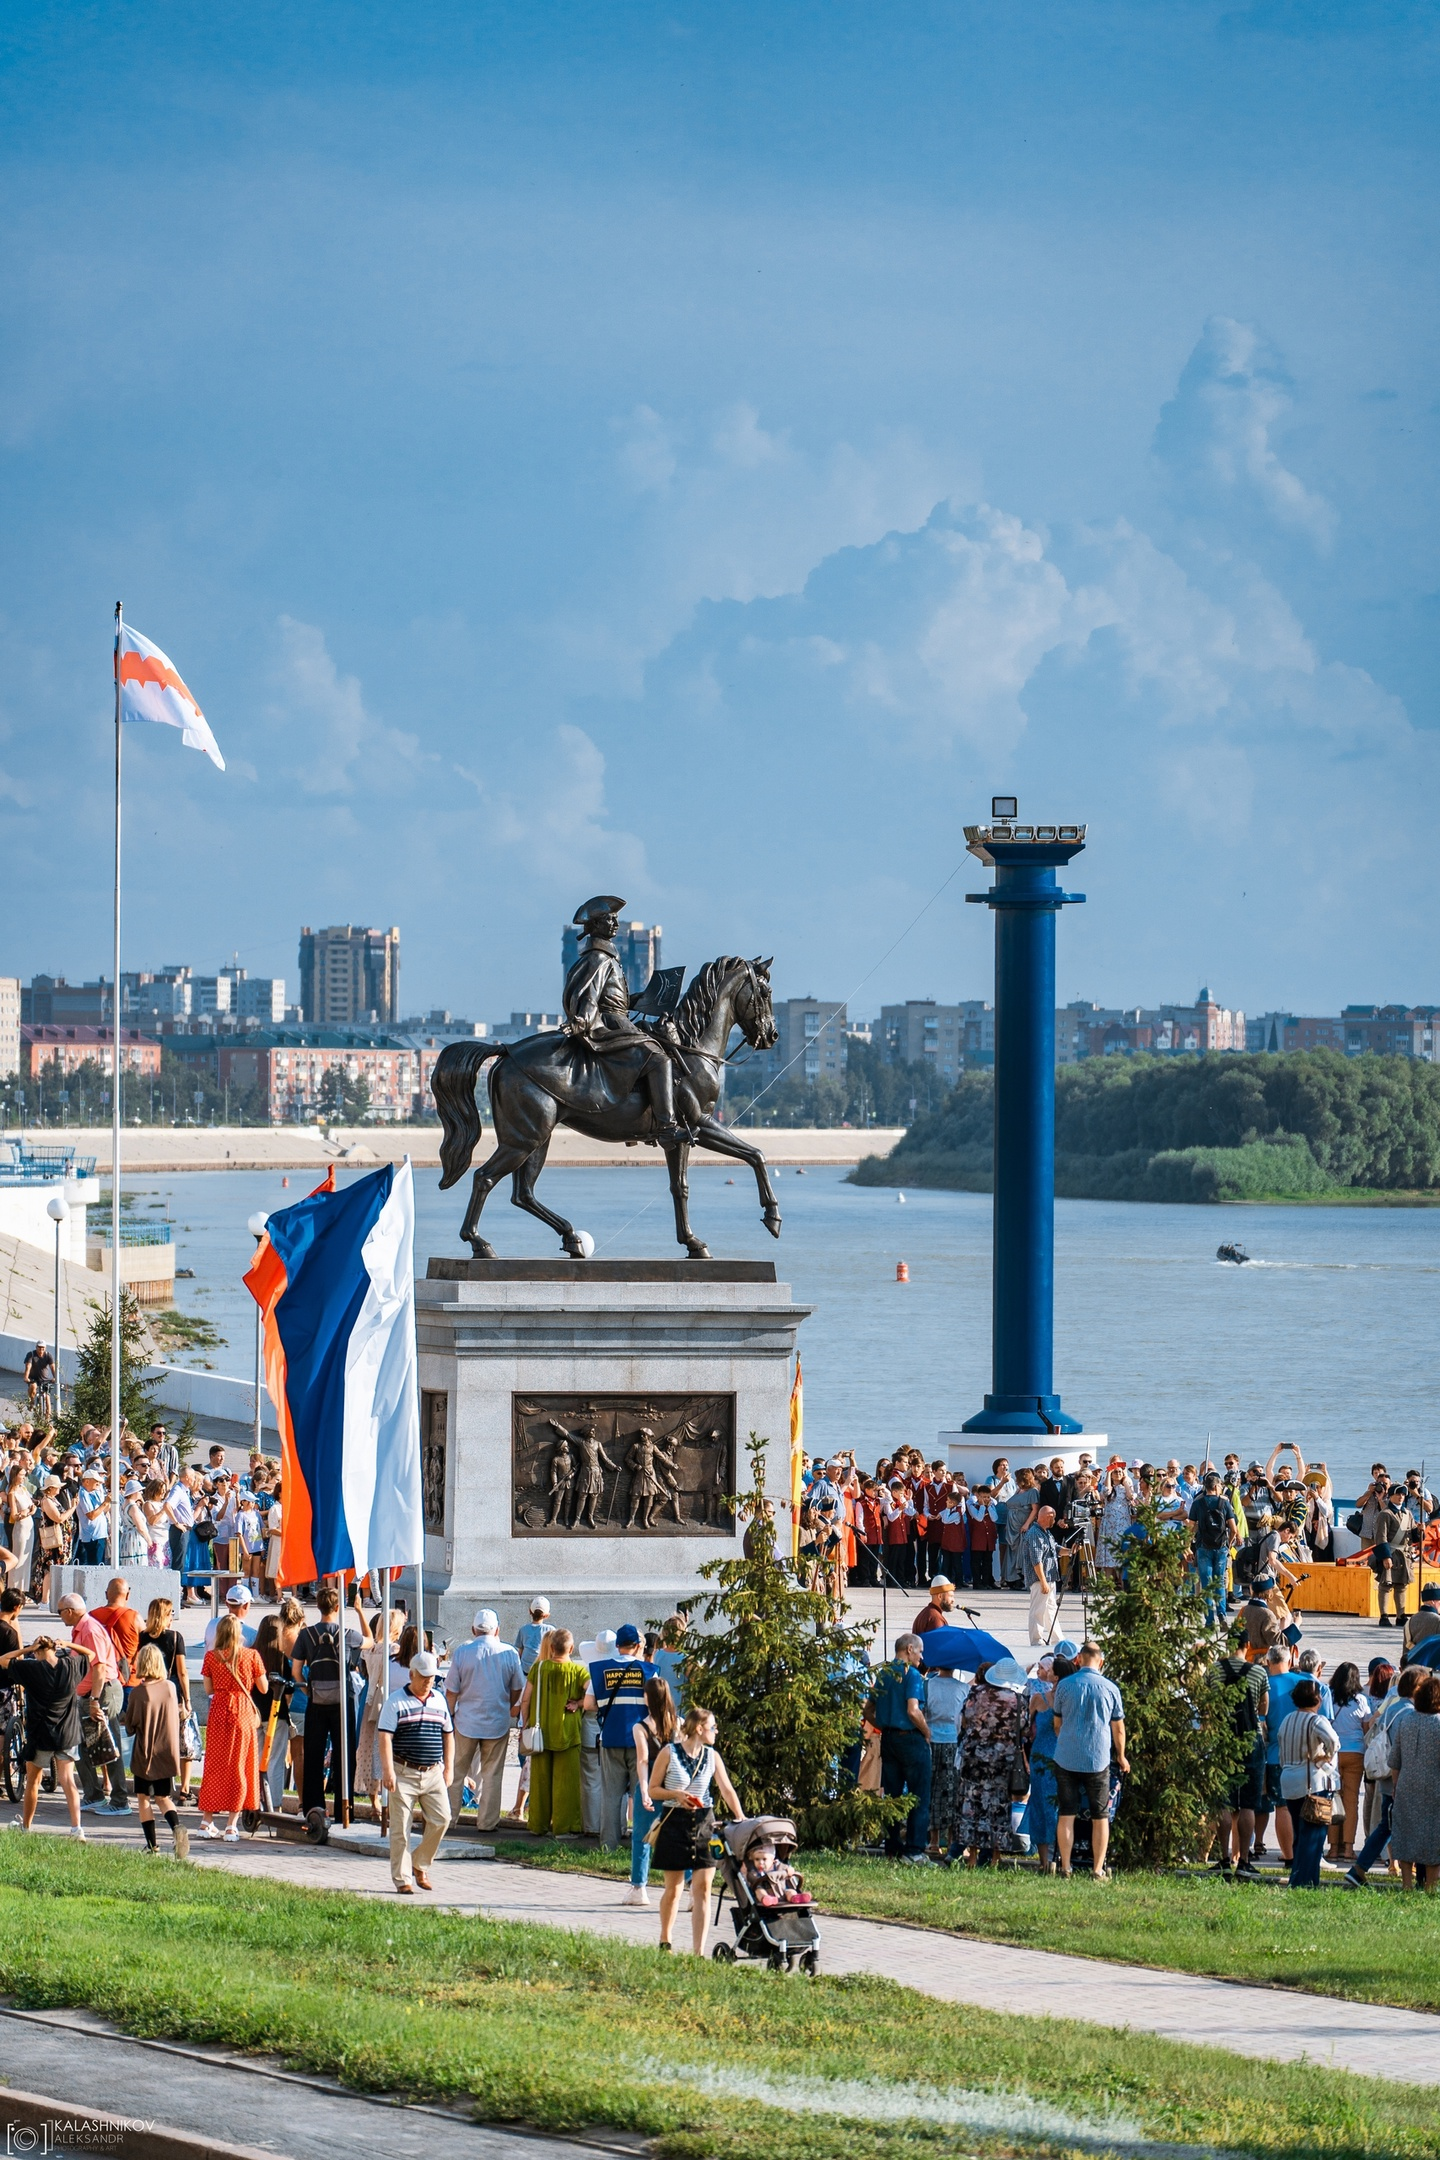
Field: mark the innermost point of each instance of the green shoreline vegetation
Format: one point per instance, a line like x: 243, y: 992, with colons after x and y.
x: 1306, y: 1128
x: 528, y: 2024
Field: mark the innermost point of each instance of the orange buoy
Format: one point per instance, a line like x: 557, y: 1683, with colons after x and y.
x: 902, y: 1273
x: 284, y: 1181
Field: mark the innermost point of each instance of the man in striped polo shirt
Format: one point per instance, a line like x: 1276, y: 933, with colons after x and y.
x: 417, y: 1762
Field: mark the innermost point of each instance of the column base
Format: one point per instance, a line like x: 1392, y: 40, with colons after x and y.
x: 1029, y: 1414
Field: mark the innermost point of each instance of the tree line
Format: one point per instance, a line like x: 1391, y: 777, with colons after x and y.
x: 1222, y: 1126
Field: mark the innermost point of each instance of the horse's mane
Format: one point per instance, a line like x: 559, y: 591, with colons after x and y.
x: 700, y: 1000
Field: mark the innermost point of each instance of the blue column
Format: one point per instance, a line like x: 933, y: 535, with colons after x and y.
x: 1026, y: 900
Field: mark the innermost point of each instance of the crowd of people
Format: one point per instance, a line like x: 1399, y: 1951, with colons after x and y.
x: 1036, y: 1528
x: 1004, y: 1760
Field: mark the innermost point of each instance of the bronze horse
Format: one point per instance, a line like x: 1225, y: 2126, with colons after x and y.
x: 551, y: 1079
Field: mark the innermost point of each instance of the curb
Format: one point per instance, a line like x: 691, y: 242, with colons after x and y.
x: 60, y: 2125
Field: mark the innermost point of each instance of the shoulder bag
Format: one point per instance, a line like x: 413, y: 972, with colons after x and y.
x: 533, y: 1737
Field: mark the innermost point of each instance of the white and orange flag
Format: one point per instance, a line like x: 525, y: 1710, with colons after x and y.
x: 151, y: 689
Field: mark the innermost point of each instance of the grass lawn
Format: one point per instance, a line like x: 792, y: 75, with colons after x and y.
x: 1377, y: 1946
x: 537, y: 2025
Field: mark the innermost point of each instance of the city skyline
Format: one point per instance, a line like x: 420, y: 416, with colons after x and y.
x: 763, y: 466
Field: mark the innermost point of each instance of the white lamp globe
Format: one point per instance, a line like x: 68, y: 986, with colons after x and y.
x: 57, y: 1208
x: 256, y: 1224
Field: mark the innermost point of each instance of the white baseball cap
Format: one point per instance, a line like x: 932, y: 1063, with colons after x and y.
x: 425, y: 1663
x: 485, y: 1622
x: 539, y: 1604
x: 237, y: 1594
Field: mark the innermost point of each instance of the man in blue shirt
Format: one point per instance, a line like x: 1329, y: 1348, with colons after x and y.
x: 1282, y: 1683
x: 897, y: 1707
x: 616, y: 1695
x: 1089, y: 1736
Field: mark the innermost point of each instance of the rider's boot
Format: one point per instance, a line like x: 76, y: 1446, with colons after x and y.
x: 661, y: 1078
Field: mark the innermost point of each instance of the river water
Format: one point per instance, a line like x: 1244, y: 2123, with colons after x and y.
x: 1328, y: 1340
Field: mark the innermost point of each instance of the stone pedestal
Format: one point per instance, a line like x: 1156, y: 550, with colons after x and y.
x: 581, y: 1423
x: 89, y: 1583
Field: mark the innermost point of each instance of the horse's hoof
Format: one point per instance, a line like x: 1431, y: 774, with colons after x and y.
x: 575, y: 1249
x: 771, y: 1220
x: 480, y: 1249
x: 697, y: 1251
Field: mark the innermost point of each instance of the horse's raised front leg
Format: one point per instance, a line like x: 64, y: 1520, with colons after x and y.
x: 487, y: 1177
x: 677, y: 1157
x: 522, y: 1195
x: 722, y: 1140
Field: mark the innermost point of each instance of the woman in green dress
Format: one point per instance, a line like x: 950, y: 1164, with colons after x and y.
x: 554, y: 1690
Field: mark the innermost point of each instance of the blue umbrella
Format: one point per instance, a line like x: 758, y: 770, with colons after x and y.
x: 962, y: 1648
x: 1426, y: 1652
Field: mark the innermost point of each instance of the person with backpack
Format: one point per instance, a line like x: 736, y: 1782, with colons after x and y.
x: 616, y: 1698
x: 1213, y: 1532
x: 896, y: 1705
x: 316, y: 1663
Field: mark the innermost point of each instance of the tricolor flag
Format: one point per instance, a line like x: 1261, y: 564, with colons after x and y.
x: 797, y: 1458
x: 334, y: 1277
x: 151, y: 689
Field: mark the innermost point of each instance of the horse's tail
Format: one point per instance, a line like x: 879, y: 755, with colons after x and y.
x: 453, y: 1085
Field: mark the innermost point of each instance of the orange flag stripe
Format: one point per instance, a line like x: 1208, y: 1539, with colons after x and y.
x: 135, y: 667
x: 266, y: 1281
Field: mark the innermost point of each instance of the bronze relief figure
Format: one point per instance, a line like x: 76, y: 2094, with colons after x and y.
x: 622, y: 1465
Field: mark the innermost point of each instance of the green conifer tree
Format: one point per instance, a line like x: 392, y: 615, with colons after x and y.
x: 90, y: 1396
x: 786, y: 1683
x: 1179, y: 1735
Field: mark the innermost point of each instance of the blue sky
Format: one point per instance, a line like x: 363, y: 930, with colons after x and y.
x: 704, y: 452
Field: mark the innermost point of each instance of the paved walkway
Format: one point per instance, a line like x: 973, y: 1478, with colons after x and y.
x: 1275, y: 2023
x: 68, y: 2055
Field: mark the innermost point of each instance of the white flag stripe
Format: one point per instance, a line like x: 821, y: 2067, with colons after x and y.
x: 151, y: 689
x: 380, y: 1462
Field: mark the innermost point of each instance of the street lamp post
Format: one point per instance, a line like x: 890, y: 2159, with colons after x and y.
x: 57, y: 1208
x: 256, y: 1227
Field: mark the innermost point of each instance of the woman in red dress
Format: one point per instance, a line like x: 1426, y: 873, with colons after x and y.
x: 231, y: 1780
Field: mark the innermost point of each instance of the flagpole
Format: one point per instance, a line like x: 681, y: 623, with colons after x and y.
x: 115, y: 1330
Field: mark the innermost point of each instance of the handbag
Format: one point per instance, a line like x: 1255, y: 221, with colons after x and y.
x: 1019, y: 1772
x: 532, y: 1739
x: 52, y: 1537
x: 189, y: 1737
x: 1317, y: 1807
x: 1355, y: 1523
x: 99, y: 1748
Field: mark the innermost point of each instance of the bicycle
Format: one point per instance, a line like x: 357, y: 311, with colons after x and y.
x: 12, y: 1741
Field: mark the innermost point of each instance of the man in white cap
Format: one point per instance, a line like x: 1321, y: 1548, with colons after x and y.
x: 417, y: 1762
x: 483, y: 1688
x: 237, y: 1601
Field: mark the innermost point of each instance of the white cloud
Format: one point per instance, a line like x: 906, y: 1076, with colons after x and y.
x: 560, y: 826
x: 342, y: 747
x: 1214, y: 437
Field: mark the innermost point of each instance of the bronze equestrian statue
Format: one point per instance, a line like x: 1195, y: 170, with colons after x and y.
x: 609, y: 1078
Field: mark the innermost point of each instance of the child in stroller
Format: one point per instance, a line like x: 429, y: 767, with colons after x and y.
x: 774, y: 1914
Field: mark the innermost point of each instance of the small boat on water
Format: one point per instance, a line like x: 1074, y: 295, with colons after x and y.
x: 1236, y: 1254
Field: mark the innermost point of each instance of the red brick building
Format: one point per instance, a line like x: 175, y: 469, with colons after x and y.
x: 289, y: 1069
x: 72, y: 1047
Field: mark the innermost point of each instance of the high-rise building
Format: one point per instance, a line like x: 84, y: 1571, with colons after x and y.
x: 946, y: 1038
x: 9, y: 1026
x: 637, y: 943
x: 810, y: 1044
x: 51, y: 1000
x: 348, y: 974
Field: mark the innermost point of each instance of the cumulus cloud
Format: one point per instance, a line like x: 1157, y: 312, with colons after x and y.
x: 560, y: 825
x: 732, y: 509
x: 1214, y: 441
x: 342, y: 746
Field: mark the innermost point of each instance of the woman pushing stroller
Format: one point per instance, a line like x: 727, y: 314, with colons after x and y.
x: 680, y: 1781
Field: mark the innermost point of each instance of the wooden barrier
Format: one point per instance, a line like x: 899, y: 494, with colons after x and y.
x: 1327, y: 1588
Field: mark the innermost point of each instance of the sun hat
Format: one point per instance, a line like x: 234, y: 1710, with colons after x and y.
x: 1006, y: 1672
x: 131, y: 1488
x: 425, y: 1664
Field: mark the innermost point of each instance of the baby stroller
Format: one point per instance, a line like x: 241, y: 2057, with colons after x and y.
x: 784, y: 1935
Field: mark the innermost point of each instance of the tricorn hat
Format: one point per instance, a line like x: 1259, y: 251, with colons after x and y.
x: 602, y: 904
